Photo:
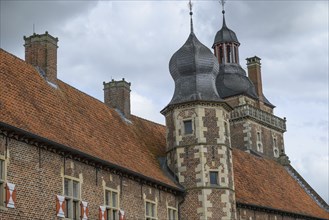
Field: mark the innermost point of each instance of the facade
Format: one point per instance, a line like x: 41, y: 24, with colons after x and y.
x: 66, y: 155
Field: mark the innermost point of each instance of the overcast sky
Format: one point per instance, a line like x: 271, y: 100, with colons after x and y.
x: 104, y: 40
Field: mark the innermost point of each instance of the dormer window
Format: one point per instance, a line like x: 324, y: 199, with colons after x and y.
x: 188, y: 127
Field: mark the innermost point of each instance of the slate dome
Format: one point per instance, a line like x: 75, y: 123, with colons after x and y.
x: 232, y: 80
x: 194, y: 69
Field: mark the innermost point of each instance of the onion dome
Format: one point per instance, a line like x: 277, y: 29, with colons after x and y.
x: 232, y: 80
x: 194, y: 69
x: 225, y: 35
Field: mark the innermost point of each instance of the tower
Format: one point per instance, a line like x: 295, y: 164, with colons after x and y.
x: 253, y: 125
x: 198, y: 142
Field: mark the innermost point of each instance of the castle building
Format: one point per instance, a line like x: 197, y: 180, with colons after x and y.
x: 221, y: 155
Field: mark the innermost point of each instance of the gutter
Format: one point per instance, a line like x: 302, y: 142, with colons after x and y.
x: 273, y: 210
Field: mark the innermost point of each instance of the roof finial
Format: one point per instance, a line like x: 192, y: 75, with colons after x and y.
x: 223, y: 5
x: 190, y: 5
x: 223, y: 11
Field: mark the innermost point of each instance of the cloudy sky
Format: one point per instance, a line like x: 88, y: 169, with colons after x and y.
x: 104, y: 40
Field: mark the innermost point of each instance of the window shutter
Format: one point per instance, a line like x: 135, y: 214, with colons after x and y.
x: 84, y: 210
x: 102, y: 213
x: 10, y: 195
x: 60, y: 206
x: 121, y: 214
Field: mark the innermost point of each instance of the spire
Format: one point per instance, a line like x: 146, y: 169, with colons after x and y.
x: 223, y: 11
x: 190, y: 5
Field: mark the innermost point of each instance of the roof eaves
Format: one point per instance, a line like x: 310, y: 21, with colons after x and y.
x: 278, y: 211
x: 308, y: 189
x: 59, y: 148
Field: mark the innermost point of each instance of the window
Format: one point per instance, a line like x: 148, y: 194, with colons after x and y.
x: 2, y: 182
x: 72, y: 198
x: 274, y: 142
x: 112, y: 204
x: 229, y: 54
x: 235, y: 54
x: 188, y: 127
x: 213, y: 175
x: 226, y: 129
x: 221, y: 55
x: 258, y: 136
x: 172, y: 213
x: 150, y: 210
x: 276, y: 152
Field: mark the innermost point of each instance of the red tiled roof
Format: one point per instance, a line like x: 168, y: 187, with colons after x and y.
x: 264, y: 182
x: 71, y: 118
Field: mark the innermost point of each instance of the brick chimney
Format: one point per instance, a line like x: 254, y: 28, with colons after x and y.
x: 255, y: 75
x: 41, y: 52
x: 117, y: 95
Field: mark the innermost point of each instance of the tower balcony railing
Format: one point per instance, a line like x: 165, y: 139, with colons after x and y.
x: 261, y: 116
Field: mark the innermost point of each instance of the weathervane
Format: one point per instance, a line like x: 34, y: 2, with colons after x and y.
x: 222, y: 2
x: 190, y: 6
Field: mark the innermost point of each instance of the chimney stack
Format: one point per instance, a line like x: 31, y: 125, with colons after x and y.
x: 41, y: 52
x: 255, y: 75
x: 117, y: 95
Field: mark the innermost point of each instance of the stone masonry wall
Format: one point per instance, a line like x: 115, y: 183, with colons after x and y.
x: 244, y: 137
x: 38, y: 176
x: 192, y: 156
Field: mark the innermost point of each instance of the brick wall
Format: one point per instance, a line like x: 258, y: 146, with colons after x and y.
x: 38, y: 176
x: 244, y: 137
x: 41, y: 51
x: 117, y: 95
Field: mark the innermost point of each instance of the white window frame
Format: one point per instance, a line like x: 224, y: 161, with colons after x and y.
x: 169, y: 214
x: 109, y: 207
x: 149, y: 217
x: 70, y: 199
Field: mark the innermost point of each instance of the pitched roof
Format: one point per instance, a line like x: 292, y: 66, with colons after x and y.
x: 263, y: 182
x: 69, y: 117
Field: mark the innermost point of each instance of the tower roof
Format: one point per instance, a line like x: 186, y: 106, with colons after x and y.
x: 225, y: 35
x: 232, y: 80
x: 193, y: 68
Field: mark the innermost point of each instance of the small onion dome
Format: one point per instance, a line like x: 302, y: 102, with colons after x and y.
x: 194, y: 69
x: 225, y: 35
x: 232, y: 81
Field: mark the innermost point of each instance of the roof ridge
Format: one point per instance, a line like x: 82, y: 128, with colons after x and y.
x: 12, y: 55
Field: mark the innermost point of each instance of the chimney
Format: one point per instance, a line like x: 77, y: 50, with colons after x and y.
x: 255, y: 75
x: 117, y: 95
x: 41, y: 52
